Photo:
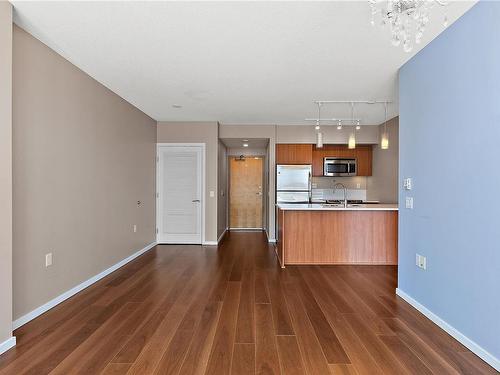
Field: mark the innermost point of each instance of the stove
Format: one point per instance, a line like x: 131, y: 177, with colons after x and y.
x: 349, y: 201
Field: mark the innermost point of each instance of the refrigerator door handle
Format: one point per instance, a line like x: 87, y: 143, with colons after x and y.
x: 310, y: 186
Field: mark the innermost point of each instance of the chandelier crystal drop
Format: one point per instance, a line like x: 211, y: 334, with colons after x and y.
x: 406, y: 19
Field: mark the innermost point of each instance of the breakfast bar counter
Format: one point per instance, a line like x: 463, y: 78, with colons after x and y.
x: 334, y: 234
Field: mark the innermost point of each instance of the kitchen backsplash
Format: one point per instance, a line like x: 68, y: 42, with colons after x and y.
x: 322, y: 188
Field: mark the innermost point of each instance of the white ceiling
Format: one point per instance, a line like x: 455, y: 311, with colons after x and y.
x: 235, y: 62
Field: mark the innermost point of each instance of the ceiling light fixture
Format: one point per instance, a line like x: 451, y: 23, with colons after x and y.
x: 245, y: 144
x: 319, y: 135
x: 351, y: 143
x: 406, y: 19
x: 384, y: 141
x: 319, y: 140
x: 318, y: 120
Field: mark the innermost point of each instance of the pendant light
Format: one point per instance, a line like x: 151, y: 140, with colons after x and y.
x: 352, y: 137
x: 384, y: 141
x: 319, y: 135
x: 319, y: 140
x: 352, y: 141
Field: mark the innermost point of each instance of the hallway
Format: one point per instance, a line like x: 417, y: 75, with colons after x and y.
x: 183, y: 309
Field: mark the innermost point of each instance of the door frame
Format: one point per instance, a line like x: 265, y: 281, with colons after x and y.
x: 203, y: 147
x: 264, y: 192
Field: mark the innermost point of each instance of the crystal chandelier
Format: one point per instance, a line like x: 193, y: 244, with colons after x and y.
x: 406, y: 19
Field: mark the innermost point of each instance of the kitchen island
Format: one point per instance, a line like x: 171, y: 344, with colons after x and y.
x: 327, y: 234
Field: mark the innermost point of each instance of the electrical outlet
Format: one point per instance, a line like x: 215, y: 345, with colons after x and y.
x: 358, y: 186
x: 314, y: 185
x: 409, y: 202
x: 421, y: 261
x: 212, y: 193
x: 48, y: 259
x: 135, y: 228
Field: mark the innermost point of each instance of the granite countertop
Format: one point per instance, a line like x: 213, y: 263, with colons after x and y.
x: 323, y: 207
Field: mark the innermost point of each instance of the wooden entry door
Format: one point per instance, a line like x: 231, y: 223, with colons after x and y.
x: 245, y: 192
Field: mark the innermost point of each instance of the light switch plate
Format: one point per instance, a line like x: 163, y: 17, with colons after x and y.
x: 409, y: 202
x: 212, y: 193
x: 407, y: 183
x: 48, y: 259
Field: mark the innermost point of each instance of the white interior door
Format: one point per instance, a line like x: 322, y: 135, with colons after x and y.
x: 180, y: 194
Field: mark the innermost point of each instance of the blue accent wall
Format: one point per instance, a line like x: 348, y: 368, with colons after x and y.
x: 450, y: 146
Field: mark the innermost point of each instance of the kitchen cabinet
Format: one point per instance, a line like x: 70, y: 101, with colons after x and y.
x: 289, y: 153
x: 362, y: 154
x: 364, y: 160
x: 337, y: 236
x: 294, y: 153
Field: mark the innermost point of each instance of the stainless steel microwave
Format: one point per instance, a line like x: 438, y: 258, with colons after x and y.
x: 339, y: 167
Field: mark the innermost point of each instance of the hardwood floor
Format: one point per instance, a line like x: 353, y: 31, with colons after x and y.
x: 232, y: 310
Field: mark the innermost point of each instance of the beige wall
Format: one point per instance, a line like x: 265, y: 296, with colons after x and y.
x: 222, y: 191
x: 198, y: 132
x: 83, y: 157
x: 383, y: 184
x: 5, y: 171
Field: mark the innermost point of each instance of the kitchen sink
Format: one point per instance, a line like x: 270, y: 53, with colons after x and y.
x: 339, y: 205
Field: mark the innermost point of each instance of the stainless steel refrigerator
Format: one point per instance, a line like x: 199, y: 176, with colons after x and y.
x: 293, y: 183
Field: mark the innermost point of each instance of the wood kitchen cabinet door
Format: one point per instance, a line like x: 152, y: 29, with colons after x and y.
x: 364, y: 160
x: 317, y: 162
x: 294, y: 153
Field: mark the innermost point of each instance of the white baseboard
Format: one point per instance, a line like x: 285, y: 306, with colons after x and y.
x: 56, y: 301
x: 209, y: 243
x: 456, y: 334
x: 7, y: 344
x: 243, y: 229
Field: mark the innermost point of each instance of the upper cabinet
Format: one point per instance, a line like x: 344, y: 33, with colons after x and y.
x: 364, y: 160
x: 308, y: 154
x: 362, y: 154
x: 294, y: 153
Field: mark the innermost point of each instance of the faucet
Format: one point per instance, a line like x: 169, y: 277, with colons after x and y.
x: 342, y: 186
